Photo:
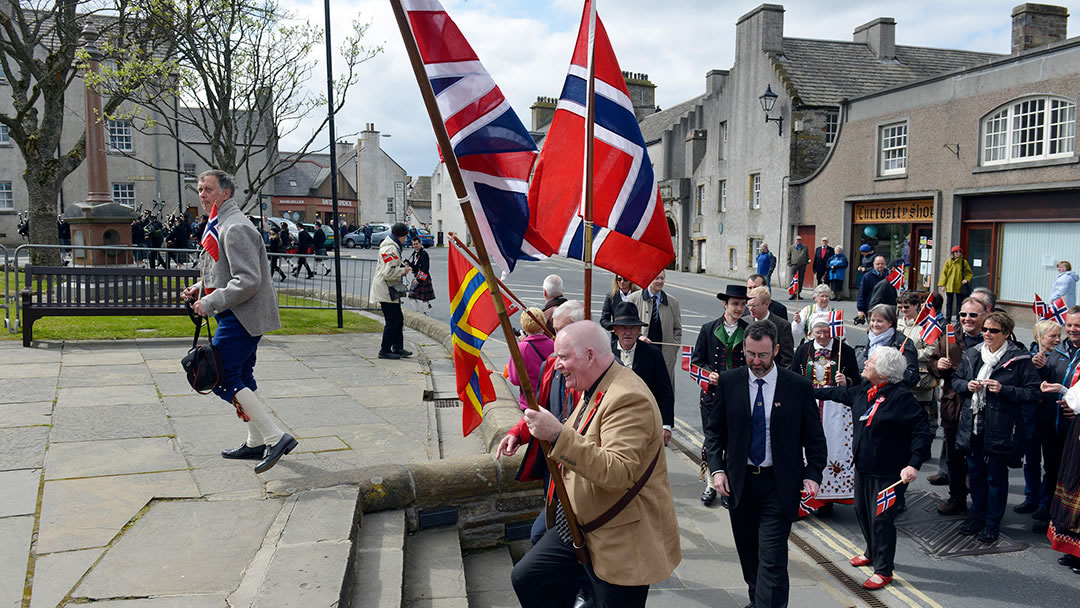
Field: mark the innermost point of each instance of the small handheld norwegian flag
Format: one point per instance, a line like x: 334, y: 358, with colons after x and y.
x: 1057, y: 311
x: 687, y: 353
x: 885, y: 499
x: 210, y: 235
x: 931, y: 328
x: 836, y: 324
x: 896, y: 277
x: 700, y: 375
x: 927, y: 309
x: 793, y: 286
x: 1040, y: 308
x: 950, y: 333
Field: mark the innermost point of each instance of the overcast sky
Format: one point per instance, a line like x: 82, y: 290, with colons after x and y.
x: 526, y: 46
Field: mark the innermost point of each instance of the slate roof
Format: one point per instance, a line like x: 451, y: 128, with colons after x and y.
x: 421, y: 191
x: 303, y: 173
x: 654, y: 125
x: 822, y: 72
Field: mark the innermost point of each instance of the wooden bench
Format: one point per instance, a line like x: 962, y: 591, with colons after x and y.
x: 59, y: 291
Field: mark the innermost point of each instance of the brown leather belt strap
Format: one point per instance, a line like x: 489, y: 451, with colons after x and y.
x: 625, y: 500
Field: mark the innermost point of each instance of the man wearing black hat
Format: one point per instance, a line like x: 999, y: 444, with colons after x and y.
x: 645, y: 359
x: 720, y: 348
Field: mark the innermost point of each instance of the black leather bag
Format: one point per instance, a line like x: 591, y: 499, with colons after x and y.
x: 202, y: 363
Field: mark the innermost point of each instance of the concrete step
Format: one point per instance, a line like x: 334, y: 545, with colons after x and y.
x: 487, y: 579
x: 434, y: 570
x: 380, y: 558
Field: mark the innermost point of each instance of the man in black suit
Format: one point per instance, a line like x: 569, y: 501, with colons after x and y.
x: 762, y: 419
x: 775, y: 308
x: 645, y: 359
x: 821, y: 261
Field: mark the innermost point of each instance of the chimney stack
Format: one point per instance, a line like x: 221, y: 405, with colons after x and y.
x: 1035, y: 25
x: 880, y: 36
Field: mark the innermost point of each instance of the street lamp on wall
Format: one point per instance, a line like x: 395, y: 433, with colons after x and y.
x: 768, y: 100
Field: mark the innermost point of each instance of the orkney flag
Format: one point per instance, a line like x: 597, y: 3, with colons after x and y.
x: 630, y: 233
x: 209, y: 240
x: 493, y: 149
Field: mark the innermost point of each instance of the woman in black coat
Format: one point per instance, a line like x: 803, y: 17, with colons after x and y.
x: 995, y: 380
x: 421, y: 291
x: 621, y: 288
x: 892, y: 440
x: 881, y: 331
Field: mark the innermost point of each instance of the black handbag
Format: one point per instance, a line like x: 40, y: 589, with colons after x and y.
x: 202, y: 363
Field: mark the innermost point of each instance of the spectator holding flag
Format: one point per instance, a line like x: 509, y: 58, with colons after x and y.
x: 237, y: 289
x: 866, y: 288
x: 1065, y: 284
x: 913, y: 310
x: 882, y: 332
x: 886, y: 291
x: 891, y: 441
x: 954, y: 282
x: 386, y: 290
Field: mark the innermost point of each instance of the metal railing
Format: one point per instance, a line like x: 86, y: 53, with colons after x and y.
x: 302, y: 281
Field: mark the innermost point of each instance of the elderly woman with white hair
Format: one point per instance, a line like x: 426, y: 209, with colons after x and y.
x: 892, y: 440
x: 800, y: 323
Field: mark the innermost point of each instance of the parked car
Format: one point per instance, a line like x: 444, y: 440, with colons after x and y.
x: 426, y: 238
x: 356, y: 238
x: 327, y: 230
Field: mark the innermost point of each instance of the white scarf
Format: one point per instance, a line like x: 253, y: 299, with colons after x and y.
x: 881, y: 339
x: 990, y: 361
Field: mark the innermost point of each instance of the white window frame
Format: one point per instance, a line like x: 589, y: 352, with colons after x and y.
x: 832, y: 126
x: 5, y: 136
x: 120, y: 192
x: 1028, y: 129
x: 722, y: 152
x: 754, y: 191
x: 189, y: 173
x: 723, y: 196
x: 733, y: 259
x: 893, y: 149
x: 121, y: 137
x: 7, y: 197
x: 753, y: 246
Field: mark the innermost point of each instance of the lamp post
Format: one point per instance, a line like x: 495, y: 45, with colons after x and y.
x: 768, y: 100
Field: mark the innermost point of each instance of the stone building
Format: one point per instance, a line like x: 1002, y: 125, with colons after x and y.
x: 724, y: 165
x: 303, y: 193
x: 381, y: 183
x: 983, y: 157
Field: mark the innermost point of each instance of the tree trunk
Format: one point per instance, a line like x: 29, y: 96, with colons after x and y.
x: 43, y: 194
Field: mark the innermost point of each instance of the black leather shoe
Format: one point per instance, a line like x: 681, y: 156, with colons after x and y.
x: 970, y: 527
x: 388, y: 355
x: 275, y: 452
x: 951, y: 507
x: 988, y: 535
x: 938, y: 480
x: 1025, y: 507
x: 245, y: 453
x: 401, y: 352
x: 1069, y: 561
x: 708, y: 496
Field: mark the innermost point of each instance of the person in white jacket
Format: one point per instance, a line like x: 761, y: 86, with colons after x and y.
x: 1065, y: 284
x: 387, y: 290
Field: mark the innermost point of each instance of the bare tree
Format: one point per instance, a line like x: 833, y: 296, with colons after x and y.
x: 232, y: 80
x: 39, y: 49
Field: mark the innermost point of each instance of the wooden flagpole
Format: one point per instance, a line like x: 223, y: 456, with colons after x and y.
x: 485, y: 263
x: 590, y: 124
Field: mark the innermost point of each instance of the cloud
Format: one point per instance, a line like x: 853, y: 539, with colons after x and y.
x: 526, y: 45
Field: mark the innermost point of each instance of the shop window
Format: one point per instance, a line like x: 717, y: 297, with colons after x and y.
x: 754, y: 191
x: 1030, y: 129
x: 832, y: 125
x: 893, y: 147
x: 7, y: 199
x: 124, y: 194
x: 120, y: 139
x: 723, y: 196
x: 753, y: 246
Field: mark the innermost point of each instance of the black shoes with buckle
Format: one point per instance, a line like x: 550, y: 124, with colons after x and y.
x: 275, y: 452
x: 245, y: 453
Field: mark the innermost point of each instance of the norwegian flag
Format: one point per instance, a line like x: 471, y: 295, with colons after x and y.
x: 209, y: 240
x: 808, y: 503
x: 885, y: 499
x: 1057, y: 310
x: 793, y: 286
x: 896, y: 277
x: 699, y: 374
x: 836, y: 324
x: 420, y: 276
x: 630, y: 233
x: 931, y: 328
x: 950, y: 333
x: 927, y: 309
x: 389, y: 258
x: 493, y: 148
x: 1042, y: 311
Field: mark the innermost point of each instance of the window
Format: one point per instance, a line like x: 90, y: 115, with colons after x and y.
x: 700, y: 202
x: 733, y: 259
x: 124, y: 194
x: 120, y: 136
x: 390, y: 204
x: 5, y: 137
x: 722, y: 152
x: 723, y: 196
x: 189, y: 172
x: 7, y: 201
x: 832, y: 125
x: 1030, y: 129
x: 754, y: 191
x: 3, y: 76
x: 292, y: 183
x: 753, y: 246
x: 893, y: 140
x: 438, y: 203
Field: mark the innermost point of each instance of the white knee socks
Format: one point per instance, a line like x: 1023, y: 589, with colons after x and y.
x: 261, y: 429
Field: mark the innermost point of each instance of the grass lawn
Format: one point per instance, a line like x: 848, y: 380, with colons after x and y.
x: 293, y: 321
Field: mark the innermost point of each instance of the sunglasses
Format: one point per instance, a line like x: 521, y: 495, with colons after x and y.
x: 991, y: 330
x: 968, y: 315
x: 621, y: 279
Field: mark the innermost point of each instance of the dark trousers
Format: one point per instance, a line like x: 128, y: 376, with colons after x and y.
x: 301, y: 262
x: 393, y: 333
x: 761, y: 533
x: 879, y: 531
x: 952, y: 306
x: 801, y: 272
x: 237, y: 348
x: 988, y: 480
x: 1053, y: 444
x: 958, y: 469
x: 822, y: 277
x: 1033, y: 479
x: 545, y: 578
x: 275, y: 260
x: 837, y: 286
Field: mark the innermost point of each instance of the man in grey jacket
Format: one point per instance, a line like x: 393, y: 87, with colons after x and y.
x: 236, y: 288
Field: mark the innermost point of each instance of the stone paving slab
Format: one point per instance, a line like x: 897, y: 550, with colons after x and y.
x: 313, y: 445
x: 38, y: 353
x: 84, y: 513
x: 188, y: 547
x: 173, y: 384
x: 109, y: 422
x: 112, y: 357
x: 14, y: 390
x: 304, y: 575
x: 56, y: 574
x: 113, y: 457
x: 289, y: 369
x: 102, y: 376
x: 304, y: 388
x: 108, y: 395
x: 14, y: 547
x: 208, y: 435
x: 30, y: 370
x: 196, y: 405
x: 233, y: 479
x: 23, y: 448
x: 386, y: 394
x: 164, y: 366
x: 325, y: 411
x: 321, y: 515
x: 20, y: 490
x: 187, y: 601
x: 25, y: 414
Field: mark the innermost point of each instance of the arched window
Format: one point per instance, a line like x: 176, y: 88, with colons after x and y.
x: 1033, y: 128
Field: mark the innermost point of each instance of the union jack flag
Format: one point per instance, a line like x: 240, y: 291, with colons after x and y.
x: 630, y: 233
x: 885, y: 499
x: 699, y: 374
x: 836, y: 324
x: 931, y: 328
x: 209, y: 240
x: 1057, y: 310
x: 493, y: 149
x: 793, y: 286
x: 1041, y: 309
x: 950, y: 333
x: 896, y: 277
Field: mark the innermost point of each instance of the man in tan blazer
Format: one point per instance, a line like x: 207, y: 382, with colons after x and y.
x: 660, y: 312
x: 609, y: 443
